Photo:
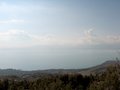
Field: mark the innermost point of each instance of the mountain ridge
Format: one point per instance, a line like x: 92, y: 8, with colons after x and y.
x: 85, y: 71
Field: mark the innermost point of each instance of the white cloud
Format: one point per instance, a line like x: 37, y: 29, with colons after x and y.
x: 94, y: 39
x: 11, y: 21
x: 20, y: 38
x: 88, y: 33
x: 14, y: 38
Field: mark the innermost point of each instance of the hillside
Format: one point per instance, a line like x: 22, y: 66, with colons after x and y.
x: 99, y: 68
x: 87, y: 71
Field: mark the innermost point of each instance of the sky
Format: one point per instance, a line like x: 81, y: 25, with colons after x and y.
x: 52, y: 34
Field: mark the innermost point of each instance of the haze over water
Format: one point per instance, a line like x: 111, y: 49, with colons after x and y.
x: 55, y: 34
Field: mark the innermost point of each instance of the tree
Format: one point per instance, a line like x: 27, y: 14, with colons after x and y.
x: 109, y: 80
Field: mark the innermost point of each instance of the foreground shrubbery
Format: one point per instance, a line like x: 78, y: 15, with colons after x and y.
x: 54, y: 82
x: 109, y: 80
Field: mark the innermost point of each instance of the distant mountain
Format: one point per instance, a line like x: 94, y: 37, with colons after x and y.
x: 25, y: 74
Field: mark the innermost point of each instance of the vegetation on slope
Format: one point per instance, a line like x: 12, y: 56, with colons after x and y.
x: 107, y: 80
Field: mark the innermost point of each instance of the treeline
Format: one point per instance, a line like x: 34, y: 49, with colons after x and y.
x: 50, y: 82
x: 108, y: 80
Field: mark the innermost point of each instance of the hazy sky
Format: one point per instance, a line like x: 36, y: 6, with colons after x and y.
x: 43, y: 34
